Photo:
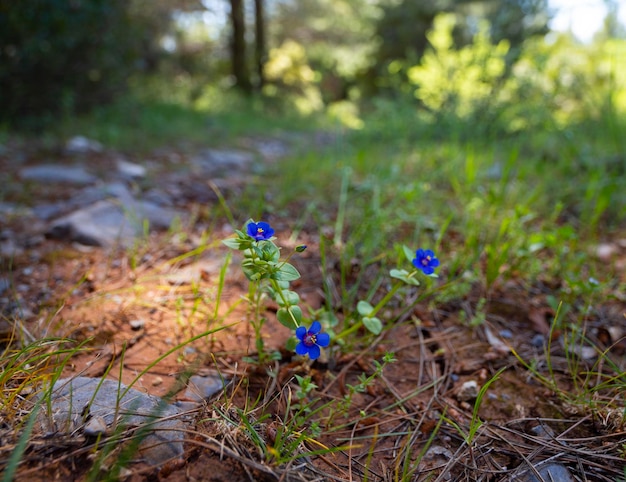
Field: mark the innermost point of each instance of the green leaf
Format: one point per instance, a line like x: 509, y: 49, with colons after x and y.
x: 297, y: 314
x: 251, y: 273
x: 291, y: 344
x: 288, y: 298
x: 290, y: 317
x: 269, y: 251
x: 286, y: 272
x: 364, y: 308
x: 405, y: 276
x: 276, y: 356
x: 399, y: 274
x: 233, y: 243
x: 410, y: 255
x: 374, y: 325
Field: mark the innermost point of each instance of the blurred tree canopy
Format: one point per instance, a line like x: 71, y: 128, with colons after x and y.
x: 58, y: 54
x: 65, y: 56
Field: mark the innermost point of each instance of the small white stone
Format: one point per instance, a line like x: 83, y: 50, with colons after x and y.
x: 468, y: 391
x: 137, y: 324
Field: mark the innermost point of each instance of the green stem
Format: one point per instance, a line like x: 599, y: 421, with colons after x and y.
x: 278, y: 290
x: 376, y: 309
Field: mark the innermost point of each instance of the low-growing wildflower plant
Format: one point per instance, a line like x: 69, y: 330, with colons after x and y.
x: 423, y: 260
x: 311, y: 340
x: 270, y: 275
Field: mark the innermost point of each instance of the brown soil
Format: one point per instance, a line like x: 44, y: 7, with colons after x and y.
x: 403, y: 426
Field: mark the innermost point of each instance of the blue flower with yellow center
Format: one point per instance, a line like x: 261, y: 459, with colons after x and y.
x: 425, y: 260
x: 311, y: 340
x: 260, y: 231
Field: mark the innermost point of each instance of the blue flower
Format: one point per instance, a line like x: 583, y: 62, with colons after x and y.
x: 425, y: 260
x: 260, y: 231
x: 311, y: 340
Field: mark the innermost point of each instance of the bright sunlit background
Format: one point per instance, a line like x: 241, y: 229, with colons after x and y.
x: 582, y: 17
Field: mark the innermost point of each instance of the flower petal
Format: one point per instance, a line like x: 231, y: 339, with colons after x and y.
x: 323, y: 339
x: 427, y: 270
x: 302, y: 349
x: 268, y: 231
x: 316, y: 327
x: 301, y: 332
x: 434, y: 262
x: 251, y: 229
x: 314, y: 352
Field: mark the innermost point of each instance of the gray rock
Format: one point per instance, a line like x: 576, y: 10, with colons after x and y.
x: 88, y: 195
x: 131, y: 170
x: 11, y: 209
x: 57, y: 174
x: 436, y: 457
x: 220, y: 161
x: 97, y: 406
x: 9, y: 248
x: 95, y: 426
x: 4, y: 285
x: 272, y: 149
x: 85, y: 197
x: 468, y: 391
x: 538, y: 340
x: 106, y: 223
x: 158, y: 197
x: 202, y: 387
x: 82, y: 145
x: 548, y: 471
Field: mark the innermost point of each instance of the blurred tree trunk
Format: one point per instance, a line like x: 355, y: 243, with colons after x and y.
x: 259, y: 16
x: 238, y: 46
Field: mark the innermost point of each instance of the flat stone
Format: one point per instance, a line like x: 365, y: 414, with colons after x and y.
x: 271, y: 149
x: 96, y: 406
x: 94, y: 427
x: 130, y: 169
x: 56, y: 173
x: 82, y: 145
x: 220, y: 161
x: 203, y: 387
x: 87, y: 196
x: 108, y: 222
x: 548, y: 471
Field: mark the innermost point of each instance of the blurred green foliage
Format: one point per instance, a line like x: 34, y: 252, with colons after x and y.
x: 486, y: 64
x: 458, y: 81
x: 62, y: 56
